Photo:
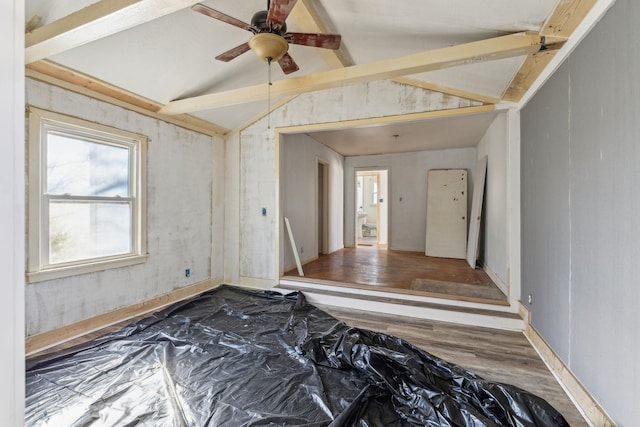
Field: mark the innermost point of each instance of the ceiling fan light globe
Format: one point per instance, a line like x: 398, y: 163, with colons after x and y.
x: 267, y: 45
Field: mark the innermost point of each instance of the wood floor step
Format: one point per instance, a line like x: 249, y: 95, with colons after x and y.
x: 477, y: 315
x: 311, y: 283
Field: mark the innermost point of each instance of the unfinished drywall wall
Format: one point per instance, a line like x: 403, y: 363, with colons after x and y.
x: 258, y: 182
x: 12, y: 210
x: 494, y: 145
x: 407, y: 191
x: 580, y: 180
x: 298, y: 195
x: 179, y: 218
x: 232, y: 209
x: 217, y: 210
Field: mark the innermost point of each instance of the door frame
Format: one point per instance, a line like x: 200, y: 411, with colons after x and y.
x: 374, y: 170
x: 322, y: 201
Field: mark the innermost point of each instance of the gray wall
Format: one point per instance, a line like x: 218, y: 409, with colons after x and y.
x: 580, y: 200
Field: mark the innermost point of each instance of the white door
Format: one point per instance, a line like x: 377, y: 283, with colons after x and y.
x: 447, y: 213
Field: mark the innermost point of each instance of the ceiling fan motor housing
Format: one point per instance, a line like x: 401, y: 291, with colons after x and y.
x: 259, y: 21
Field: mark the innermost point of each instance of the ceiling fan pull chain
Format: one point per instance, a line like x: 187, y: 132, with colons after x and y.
x: 269, y: 94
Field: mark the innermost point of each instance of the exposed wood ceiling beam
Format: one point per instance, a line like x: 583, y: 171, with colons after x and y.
x: 74, y: 81
x: 101, y: 19
x: 306, y: 15
x: 485, y: 50
x: 565, y: 18
x: 529, y: 71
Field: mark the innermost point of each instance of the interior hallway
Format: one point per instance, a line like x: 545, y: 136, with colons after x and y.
x: 370, y: 267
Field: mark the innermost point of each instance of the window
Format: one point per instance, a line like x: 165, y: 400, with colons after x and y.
x: 86, y: 196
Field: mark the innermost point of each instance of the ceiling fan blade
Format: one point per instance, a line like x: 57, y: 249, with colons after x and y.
x: 327, y: 41
x: 287, y: 64
x: 233, y: 53
x: 278, y: 12
x: 206, y: 10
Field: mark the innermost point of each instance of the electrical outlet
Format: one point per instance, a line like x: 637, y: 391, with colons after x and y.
x: 187, y: 272
x: 529, y: 299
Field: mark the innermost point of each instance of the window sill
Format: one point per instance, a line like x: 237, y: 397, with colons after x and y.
x: 60, y: 272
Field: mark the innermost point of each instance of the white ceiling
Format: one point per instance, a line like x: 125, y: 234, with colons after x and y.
x: 172, y: 57
x: 431, y: 134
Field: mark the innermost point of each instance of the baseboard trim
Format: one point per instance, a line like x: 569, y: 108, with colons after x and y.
x: 590, y: 409
x: 42, y: 341
x: 524, y: 313
x: 303, y: 263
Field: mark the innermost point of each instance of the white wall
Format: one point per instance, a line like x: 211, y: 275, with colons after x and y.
x: 299, y: 183
x: 179, y: 218
x: 383, y: 193
x: 12, y: 161
x: 407, y: 191
x: 258, y: 236
x: 494, y: 146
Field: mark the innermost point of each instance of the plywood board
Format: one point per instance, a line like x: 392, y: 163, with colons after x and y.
x: 446, y: 213
x: 294, y: 248
x: 476, y: 212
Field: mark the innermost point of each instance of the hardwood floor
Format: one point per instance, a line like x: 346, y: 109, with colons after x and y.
x: 369, y: 267
x: 496, y: 355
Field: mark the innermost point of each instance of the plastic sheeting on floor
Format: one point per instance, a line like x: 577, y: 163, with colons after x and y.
x: 231, y: 357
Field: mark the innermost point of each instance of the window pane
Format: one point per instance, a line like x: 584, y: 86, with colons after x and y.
x: 81, y: 230
x: 85, y: 168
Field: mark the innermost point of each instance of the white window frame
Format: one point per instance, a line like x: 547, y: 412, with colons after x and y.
x: 43, y: 122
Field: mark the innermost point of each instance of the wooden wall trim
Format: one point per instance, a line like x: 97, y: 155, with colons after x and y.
x: 473, y: 96
x: 74, y: 81
x: 39, y: 342
x: 400, y: 118
x: 593, y: 412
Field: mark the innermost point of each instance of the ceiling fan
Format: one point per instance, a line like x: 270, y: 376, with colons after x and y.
x: 270, y: 41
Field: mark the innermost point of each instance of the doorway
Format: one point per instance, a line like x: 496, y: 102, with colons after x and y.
x: 322, y: 205
x: 372, y: 208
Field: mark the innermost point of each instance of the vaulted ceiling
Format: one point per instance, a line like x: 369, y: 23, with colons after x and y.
x: 158, y: 55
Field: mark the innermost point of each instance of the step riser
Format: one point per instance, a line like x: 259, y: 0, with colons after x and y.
x: 362, y: 293
x: 442, y: 315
